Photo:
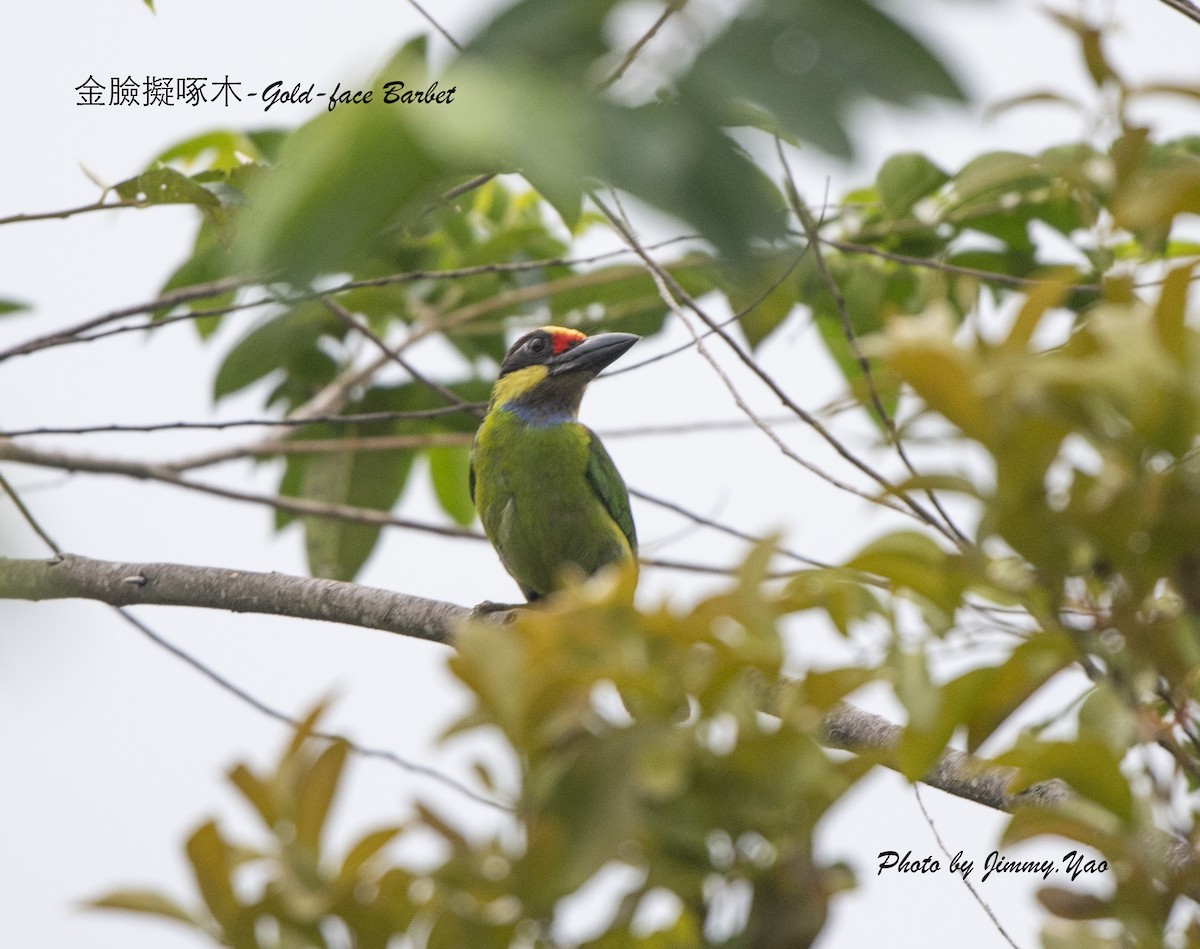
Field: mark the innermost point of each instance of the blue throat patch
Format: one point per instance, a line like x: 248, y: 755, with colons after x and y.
x: 537, y: 416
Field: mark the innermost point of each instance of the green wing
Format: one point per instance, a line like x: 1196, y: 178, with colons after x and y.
x: 606, y: 481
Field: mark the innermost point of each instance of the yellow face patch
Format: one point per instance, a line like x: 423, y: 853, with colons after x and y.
x: 516, y: 383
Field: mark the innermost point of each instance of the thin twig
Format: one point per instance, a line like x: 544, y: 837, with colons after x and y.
x: 28, y: 517
x: 718, y: 526
x: 167, y: 300
x: 1186, y: 7
x: 672, y: 7
x: 967, y: 883
x: 9, y: 451
x: 435, y: 24
x: 100, y: 205
x: 72, y: 334
x: 736, y: 318
x: 258, y: 705
x: 673, y: 293
x: 421, y: 620
x: 864, y: 365
x: 353, y: 418
x: 393, y: 354
x: 991, y: 276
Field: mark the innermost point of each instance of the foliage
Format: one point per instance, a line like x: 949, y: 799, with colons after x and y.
x: 350, y: 200
x: 639, y: 745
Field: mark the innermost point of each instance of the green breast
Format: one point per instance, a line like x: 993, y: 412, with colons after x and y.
x: 538, y: 503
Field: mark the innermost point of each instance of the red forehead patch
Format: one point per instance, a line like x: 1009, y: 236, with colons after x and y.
x: 563, y: 339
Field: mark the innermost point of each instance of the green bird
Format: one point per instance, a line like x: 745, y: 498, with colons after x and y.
x: 546, y: 490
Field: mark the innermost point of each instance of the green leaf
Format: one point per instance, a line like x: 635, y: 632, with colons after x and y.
x: 288, y: 341
x: 546, y: 33
x: 1087, y: 764
x: 764, y: 291
x: 341, y: 178
x: 150, y: 4
x: 220, y: 149
x: 12, y: 306
x: 846, y: 599
x: 864, y: 288
x: 146, y: 902
x: 922, y: 352
x: 991, y: 174
x: 827, y: 687
x: 257, y: 792
x: 677, y: 158
x: 166, y: 186
x: 212, y: 861
x: 367, y: 847
x: 984, y: 698
x: 316, y: 794
x: 448, y: 466
x: 926, y: 734
x: 807, y: 63
x: 1071, y: 904
x: 913, y: 561
x: 1171, y: 310
x: 905, y: 179
x: 368, y: 479
x: 1104, y: 715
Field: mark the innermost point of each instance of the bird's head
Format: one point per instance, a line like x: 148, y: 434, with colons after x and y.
x: 545, y: 372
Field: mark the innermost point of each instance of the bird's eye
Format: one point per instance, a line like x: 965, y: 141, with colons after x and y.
x: 537, y: 345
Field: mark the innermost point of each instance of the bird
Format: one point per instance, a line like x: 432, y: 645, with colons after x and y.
x: 550, y: 498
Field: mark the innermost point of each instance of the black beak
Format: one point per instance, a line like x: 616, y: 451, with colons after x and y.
x: 593, y: 354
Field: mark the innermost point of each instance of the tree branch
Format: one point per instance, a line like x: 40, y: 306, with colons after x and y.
x: 126, y: 584
x: 10, y: 451
x: 957, y: 773
x: 1186, y: 7
x: 240, y: 591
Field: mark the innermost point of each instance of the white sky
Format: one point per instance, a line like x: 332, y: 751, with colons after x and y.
x: 111, y: 749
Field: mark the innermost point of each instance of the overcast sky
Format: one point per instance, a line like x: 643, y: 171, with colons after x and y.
x: 111, y: 749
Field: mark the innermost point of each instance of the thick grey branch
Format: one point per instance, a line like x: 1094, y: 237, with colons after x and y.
x: 957, y: 773
x: 854, y: 729
x: 129, y: 584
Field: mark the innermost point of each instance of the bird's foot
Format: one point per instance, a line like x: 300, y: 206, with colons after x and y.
x: 488, y: 608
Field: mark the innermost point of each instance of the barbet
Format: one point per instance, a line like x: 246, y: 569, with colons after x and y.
x: 549, y: 496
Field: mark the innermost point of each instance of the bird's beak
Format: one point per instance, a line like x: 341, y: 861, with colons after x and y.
x: 593, y: 354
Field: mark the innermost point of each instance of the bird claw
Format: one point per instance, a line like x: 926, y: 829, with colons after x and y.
x: 488, y: 608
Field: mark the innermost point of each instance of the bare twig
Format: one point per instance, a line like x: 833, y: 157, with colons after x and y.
x: 991, y: 276
x: 167, y: 300
x: 28, y: 517
x: 1186, y: 7
x: 967, y: 883
x: 718, y: 526
x: 393, y: 354
x: 350, y: 418
x: 74, y: 333
x: 9, y: 451
x: 363, y: 751
x: 839, y: 303
x: 423, y: 609
x: 673, y: 293
x: 100, y: 205
x: 745, y: 311
x: 672, y: 7
x: 435, y: 24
